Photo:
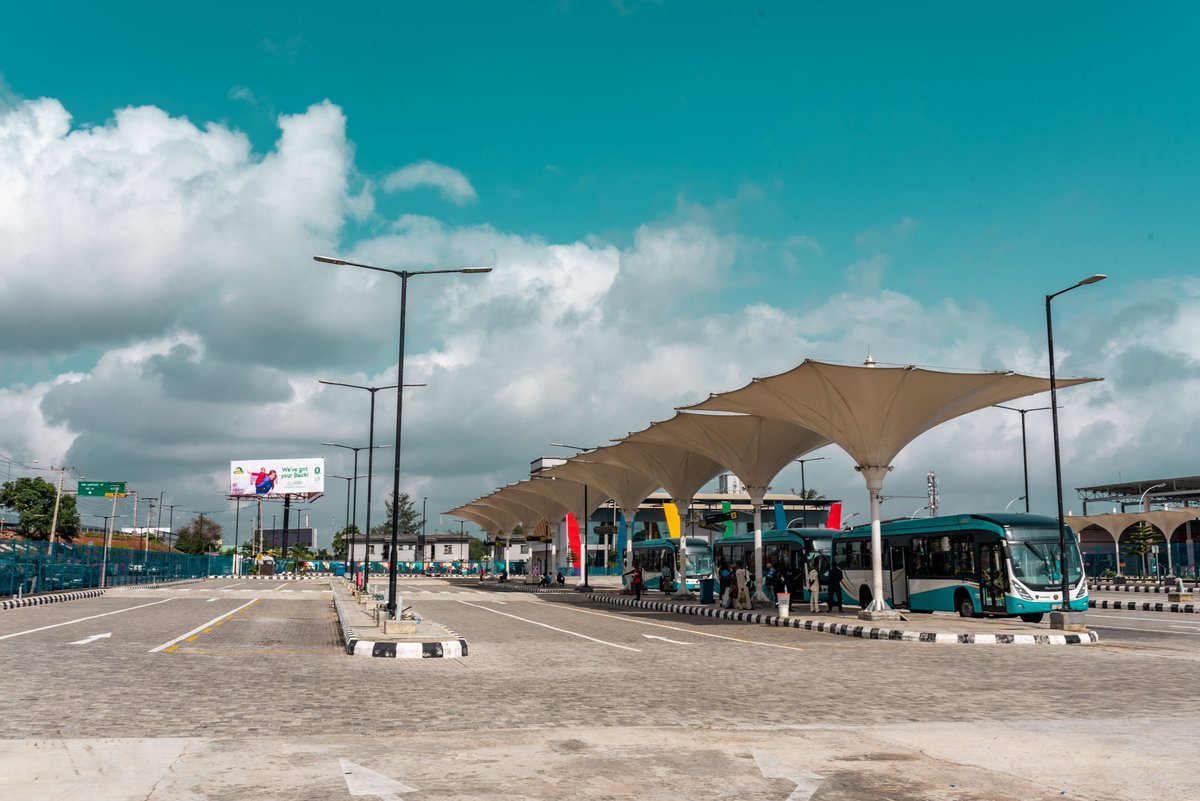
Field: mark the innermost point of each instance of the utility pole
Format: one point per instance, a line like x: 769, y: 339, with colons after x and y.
x: 62, y: 472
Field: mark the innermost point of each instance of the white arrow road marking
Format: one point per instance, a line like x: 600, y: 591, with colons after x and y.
x: 361, y: 781
x: 91, y: 639
x: 664, y: 639
x: 774, y: 767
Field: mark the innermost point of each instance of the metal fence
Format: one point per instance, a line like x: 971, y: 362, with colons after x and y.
x: 32, y: 566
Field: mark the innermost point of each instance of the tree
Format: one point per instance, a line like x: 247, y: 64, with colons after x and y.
x: 246, y: 549
x: 478, y: 550
x: 299, y: 554
x: 1141, y: 541
x: 808, y: 495
x: 410, y: 519
x: 202, y: 535
x: 341, y: 540
x: 33, y: 500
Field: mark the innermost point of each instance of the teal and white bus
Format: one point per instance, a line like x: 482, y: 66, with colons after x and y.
x: 977, y: 564
x: 654, y: 555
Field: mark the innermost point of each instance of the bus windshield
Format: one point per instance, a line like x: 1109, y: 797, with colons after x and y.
x: 1036, y: 559
x: 700, y: 563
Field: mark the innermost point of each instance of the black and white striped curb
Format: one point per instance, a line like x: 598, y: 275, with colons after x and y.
x: 848, y: 630
x: 450, y: 649
x: 38, y: 600
x: 1133, y: 588
x: 280, y: 577
x: 1144, y: 606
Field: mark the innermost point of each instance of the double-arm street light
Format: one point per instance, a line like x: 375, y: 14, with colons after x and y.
x: 370, y: 443
x: 403, y: 275
x: 1062, y: 534
x: 1024, y: 449
x: 353, y: 536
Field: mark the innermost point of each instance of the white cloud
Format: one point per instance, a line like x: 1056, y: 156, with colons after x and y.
x: 184, y: 260
x: 453, y: 185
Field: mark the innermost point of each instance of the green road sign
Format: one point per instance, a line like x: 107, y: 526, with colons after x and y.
x: 102, y: 489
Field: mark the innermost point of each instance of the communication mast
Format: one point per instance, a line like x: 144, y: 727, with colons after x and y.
x: 932, y: 487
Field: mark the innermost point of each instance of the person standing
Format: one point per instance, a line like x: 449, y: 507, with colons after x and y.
x: 725, y: 580
x: 636, y: 580
x: 742, y: 576
x: 814, y: 588
x: 835, y: 586
x: 779, y: 584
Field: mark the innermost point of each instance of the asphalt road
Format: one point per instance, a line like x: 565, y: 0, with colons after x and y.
x: 238, y: 689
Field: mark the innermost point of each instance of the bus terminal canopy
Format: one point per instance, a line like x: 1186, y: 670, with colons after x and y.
x: 873, y: 412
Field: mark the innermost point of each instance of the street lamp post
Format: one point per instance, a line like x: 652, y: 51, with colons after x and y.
x: 804, y: 486
x: 424, y: 501
x: 1024, y: 449
x: 346, y: 525
x: 354, y: 535
x: 583, y: 534
x: 1142, y: 500
x: 1062, y: 534
x: 1018, y: 498
x: 403, y: 275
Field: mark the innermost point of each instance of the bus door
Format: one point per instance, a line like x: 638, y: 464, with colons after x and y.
x: 898, y: 573
x: 993, y: 579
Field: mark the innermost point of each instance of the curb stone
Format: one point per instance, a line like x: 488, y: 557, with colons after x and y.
x: 38, y: 600
x: 450, y: 649
x: 1145, y: 606
x: 848, y: 630
x: 1132, y: 588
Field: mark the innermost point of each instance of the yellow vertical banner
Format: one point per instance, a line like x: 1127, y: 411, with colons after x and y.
x: 671, y: 512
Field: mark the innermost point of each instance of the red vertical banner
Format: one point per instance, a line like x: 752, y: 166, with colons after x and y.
x: 573, y: 538
x: 835, y: 516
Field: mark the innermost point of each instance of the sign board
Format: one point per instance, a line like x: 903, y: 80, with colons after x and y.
x: 604, y: 529
x: 275, y: 478
x: 101, y: 489
x: 724, y: 517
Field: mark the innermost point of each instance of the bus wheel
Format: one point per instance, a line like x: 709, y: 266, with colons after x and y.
x: 1033, y: 617
x: 965, y: 607
x: 864, y: 597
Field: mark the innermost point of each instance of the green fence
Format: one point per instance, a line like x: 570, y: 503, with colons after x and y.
x: 31, y: 566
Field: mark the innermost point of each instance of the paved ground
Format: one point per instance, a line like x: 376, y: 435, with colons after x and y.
x: 238, y: 689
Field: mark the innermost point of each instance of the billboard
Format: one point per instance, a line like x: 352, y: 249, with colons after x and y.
x: 275, y: 478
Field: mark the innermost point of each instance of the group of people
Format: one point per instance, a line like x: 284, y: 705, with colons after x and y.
x: 736, y: 584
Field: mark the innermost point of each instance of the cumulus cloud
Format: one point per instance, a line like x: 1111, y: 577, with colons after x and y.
x: 183, y: 259
x: 451, y: 183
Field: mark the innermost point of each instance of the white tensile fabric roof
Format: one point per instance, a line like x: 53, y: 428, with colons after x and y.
x: 567, y: 491
x: 681, y: 472
x: 627, y: 486
x: 754, y: 448
x: 873, y: 412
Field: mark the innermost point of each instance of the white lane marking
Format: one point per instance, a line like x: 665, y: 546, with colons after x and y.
x: 362, y: 781
x: 552, y: 628
x: 1147, y: 619
x: 664, y: 639
x: 201, y: 627
x: 89, y: 617
x: 1149, y: 631
x: 210, y: 600
x: 774, y: 767
x: 227, y: 586
x: 93, y: 638
x: 680, y: 628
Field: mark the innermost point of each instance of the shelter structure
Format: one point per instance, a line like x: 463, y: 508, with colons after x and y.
x: 754, y: 448
x: 1167, y: 521
x: 1174, y: 491
x: 872, y: 413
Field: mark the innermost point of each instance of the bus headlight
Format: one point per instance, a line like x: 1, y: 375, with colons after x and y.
x: 1021, y: 591
x: 1081, y: 590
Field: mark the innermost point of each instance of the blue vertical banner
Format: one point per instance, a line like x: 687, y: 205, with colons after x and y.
x: 780, y: 516
x: 622, y: 534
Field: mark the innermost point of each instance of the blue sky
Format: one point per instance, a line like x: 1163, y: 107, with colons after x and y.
x: 850, y: 171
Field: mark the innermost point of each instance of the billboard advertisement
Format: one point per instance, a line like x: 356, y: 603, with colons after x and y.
x: 275, y: 478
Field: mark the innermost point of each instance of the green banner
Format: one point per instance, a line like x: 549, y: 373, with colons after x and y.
x: 102, y: 489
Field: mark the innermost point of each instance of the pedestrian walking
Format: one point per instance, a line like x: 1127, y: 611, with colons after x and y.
x: 636, y: 580
x: 835, y: 586
x: 814, y: 588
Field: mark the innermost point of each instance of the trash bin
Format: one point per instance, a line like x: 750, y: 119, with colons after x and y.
x: 785, y: 601
x: 706, y: 590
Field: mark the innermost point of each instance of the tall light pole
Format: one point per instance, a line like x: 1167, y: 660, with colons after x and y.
x: 346, y: 525
x: 403, y: 275
x: 1024, y: 449
x: 1142, y: 500
x: 423, y: 502
x: 804, y: 486
x: 1062, y: 534
x: 354, y: 536
x: 370, y: 439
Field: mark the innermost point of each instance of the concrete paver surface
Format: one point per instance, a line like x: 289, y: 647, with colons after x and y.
x: 562, y: 699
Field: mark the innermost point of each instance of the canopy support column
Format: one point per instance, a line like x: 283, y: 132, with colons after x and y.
x: 630, y: 514
x: 756, y: 503
x: 878, y: 608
